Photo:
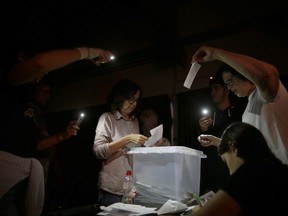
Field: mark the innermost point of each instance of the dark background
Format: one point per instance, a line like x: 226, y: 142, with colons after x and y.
x: 138, y: 32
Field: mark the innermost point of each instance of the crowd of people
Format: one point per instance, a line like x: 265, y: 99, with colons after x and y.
x: 248, y: 147
x: 259, y: 140
x: 24, y: 138
x: 223, y: 112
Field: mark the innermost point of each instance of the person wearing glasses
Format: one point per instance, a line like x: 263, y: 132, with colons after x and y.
x: 116, y: 133
x: 258, y: 180
x: 224, y: 110
x: 267, y: 97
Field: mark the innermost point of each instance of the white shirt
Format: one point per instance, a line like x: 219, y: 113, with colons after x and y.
x: 271, y: 118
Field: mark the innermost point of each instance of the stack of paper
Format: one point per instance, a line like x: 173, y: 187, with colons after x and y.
x: 127, y: 210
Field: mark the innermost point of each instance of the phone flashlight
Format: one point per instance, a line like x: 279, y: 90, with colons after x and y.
x: 205, y: 112
x: 112, y: 57
x: 80, y: 119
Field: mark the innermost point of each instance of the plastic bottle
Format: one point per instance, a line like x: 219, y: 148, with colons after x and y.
x: 129, y: 191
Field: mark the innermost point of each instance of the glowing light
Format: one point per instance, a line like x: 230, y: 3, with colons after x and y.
x: 80, y: 119
x: 205, y: 111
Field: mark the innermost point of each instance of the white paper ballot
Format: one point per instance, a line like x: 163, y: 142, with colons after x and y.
x: 171, y: 207
x: 156, y: 134
x: 191, y: 75
x: 126, y: 210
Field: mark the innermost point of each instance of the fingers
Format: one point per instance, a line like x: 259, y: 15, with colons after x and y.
x: 198, y: 56
x: 142, y: 140
x: 72, y: 128
x: 205, y: 122
x: 104, y: 57
x: 107, y: 56
x: 139, y: 139
x: 204, y: 140
x: 205, y: 143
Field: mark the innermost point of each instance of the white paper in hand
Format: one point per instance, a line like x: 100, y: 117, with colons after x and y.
x: 191, y: 75
x: 156, y: 134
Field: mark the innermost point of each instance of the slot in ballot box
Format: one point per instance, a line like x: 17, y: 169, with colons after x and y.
x: 167, y: 172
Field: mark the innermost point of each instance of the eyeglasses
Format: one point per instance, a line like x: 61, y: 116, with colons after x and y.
x: 133, y: 100
x: 231, y: 82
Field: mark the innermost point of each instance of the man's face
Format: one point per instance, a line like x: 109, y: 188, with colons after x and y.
x: 218, y: 93
x: 42, y: 95
x: 241, y: 88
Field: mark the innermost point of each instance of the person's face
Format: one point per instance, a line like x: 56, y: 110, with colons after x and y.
x: 129, y: 105
x: 231, y: 159
x: 241, y: 88
x: 147, y: 125
x: 218, y: 93
x: 42, y: 95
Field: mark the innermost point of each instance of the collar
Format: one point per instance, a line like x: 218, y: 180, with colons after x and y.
x: 117, y: 115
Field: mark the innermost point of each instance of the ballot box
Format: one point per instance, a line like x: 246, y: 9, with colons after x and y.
x: 167, y: 172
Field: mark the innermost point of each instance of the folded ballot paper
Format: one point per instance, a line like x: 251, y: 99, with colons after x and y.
x: 191, y: 75
x: 156, y: 134
x: 122, y: 209
x: 172, y: 207
x: 127, y: 210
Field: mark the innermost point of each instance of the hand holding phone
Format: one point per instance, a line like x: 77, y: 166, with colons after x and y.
x: 205, y: 112
x: 80, y: 119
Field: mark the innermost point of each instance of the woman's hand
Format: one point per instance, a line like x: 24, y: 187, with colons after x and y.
x: 137, y: 138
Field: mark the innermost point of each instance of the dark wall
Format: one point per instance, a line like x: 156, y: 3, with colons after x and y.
x: 73, y: 176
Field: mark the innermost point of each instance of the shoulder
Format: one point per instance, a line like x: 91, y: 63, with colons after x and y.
x: 105, y: 116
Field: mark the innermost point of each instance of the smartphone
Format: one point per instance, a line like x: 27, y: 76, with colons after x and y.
x: 80, y: 119
x: 206, y: 113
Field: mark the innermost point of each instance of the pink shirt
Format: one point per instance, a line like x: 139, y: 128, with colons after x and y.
x: 112, y: 127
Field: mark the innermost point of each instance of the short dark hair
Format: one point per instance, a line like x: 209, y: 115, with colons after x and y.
x: 227, y: 68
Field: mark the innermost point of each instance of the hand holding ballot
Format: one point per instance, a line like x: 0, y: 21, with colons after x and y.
x: 156, y: 135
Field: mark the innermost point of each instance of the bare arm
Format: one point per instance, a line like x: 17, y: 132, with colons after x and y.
x: 264, y: 75
x: 221, y: 204
x: 42, y: 63
x: 209, y: 140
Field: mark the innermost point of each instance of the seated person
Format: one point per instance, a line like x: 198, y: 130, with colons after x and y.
x: 258, y: 180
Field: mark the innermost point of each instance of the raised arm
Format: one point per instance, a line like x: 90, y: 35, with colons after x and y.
x: 264, y: 75
x: 42, y: 63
